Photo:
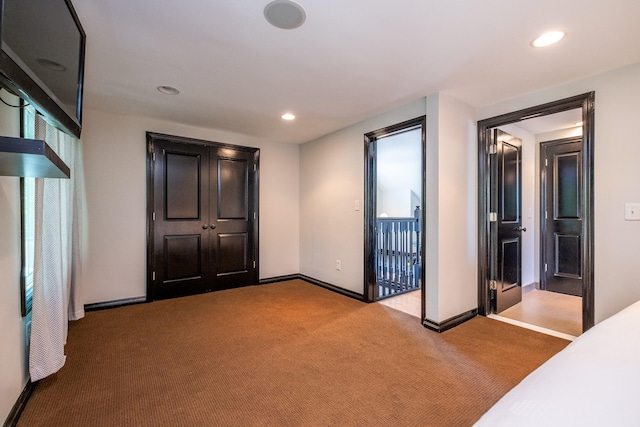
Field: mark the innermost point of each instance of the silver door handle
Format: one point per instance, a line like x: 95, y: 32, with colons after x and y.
x: 205, y: 226
x: 213, y: 226
x: 520, y: 229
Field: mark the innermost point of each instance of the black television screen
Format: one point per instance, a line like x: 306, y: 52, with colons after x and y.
x: 42, y: 58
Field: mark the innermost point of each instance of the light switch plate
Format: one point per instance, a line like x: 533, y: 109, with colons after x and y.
x: 632, y: 211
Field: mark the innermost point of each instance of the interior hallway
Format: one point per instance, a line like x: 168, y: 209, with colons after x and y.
x: 549, y: 310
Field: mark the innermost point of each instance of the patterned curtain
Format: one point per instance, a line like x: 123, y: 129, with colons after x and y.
x: 58, y: 255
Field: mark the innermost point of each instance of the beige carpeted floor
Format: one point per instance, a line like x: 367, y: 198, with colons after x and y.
x: 285, y: 354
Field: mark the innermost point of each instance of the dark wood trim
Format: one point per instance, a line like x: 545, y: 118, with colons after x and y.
x: 140, y: 300
x: 25, y: 306
x: 153, y: 136
x: 587, y: 103
x: 21, y: 403
x: 149, y: 229
x: 370, y: 201
x: 96, y: 306
x: 451, y: 322
x: 333, y: 288
x: 370, y: 292
x: 588, y: 119
x: 277, y: 279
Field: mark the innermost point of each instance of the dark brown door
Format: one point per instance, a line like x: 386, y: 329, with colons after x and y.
x: 203, y: 220
x: 508, y: 220
x: 231, y: 218
x: 562, y: 201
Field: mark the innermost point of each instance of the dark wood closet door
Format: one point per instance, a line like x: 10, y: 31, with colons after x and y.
x: 203, y: 217
x: 232, y: 216
x: 181, y: 226
x: 562, y: 198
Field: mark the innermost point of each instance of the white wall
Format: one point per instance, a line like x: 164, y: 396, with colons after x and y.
x: 13, y: 365
x: 616, y: 178
x: 399, y: 173
x: 395, y: 202
x: 558, y: 134
x: 331, y: 180
x: 451, y: 208
x: 115, y: 168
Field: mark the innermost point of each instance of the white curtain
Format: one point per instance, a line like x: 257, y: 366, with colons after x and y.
x: 58, y: 255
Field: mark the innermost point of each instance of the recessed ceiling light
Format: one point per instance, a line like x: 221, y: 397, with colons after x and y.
x: 578, y: 124
x: 547, y: 39
x: 288, y: 116
x: 168, y: 90
x: 285, y: 14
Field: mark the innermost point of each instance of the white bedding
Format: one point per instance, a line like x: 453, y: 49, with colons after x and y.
x: 594, y: 381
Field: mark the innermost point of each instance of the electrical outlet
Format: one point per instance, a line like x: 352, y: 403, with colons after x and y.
x: 356, y: 205
x: 338, y: 265
x: 632, y: 211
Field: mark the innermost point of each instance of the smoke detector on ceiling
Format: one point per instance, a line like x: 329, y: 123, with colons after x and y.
x: 285, y: 14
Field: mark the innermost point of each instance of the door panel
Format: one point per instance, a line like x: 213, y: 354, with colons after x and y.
x: 205, y: 228
x: 232, y: 253
x: 508, y: 178
x: 562, y: 201
x: 509, y: 175
x: 182, y: 185
x: 232, y: 188
x: 567, y: 256
x: 566, y: 187
x: 510, y: 272
x: 182, y: 257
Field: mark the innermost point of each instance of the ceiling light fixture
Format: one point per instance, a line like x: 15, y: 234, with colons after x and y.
x: 578, y: 124
x: 168, y: 90
x: 549, y: 38
x: 288, y: 116
x: 285, y: 14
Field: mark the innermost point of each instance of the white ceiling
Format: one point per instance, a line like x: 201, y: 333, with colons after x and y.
x: 349, y: 61
x: 564, y: 120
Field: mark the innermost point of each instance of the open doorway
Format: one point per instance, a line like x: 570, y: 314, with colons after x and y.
x: 536, y: 216
x: 394, y: 194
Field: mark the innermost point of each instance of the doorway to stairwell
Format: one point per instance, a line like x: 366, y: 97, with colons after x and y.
x: 394, y: 215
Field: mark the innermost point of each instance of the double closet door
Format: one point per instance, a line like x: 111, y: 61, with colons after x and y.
x: 202, y: 216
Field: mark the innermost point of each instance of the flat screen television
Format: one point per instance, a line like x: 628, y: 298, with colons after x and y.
x: 42, y: 46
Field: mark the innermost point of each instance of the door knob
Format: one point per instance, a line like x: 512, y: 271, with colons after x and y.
x: 213, y: 226
x: 205, y: 226
x: 520, y: 229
